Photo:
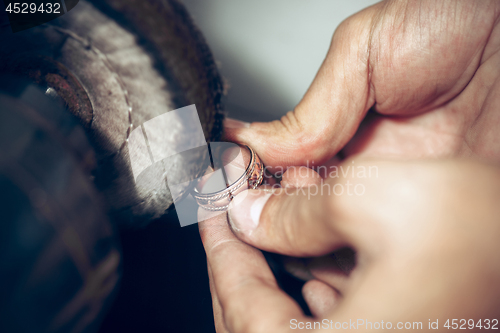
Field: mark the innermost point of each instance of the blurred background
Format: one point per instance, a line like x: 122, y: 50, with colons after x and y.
x: 269, y: 50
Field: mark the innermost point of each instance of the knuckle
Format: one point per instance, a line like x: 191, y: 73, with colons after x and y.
x: 291, y: 123
x: 303, y: 141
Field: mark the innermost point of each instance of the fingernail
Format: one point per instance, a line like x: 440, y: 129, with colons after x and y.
x: 245, y: 210
x: 233, y: 123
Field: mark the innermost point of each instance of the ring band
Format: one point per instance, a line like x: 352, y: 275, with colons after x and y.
x: 251, y: 179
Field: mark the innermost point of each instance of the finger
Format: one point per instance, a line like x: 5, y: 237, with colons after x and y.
x: 318, y: 219
x: 300, y: 177
x: 314, y: 221
x: 297, y: 267
x: 323, y: 169
x: 334, y: 269
x: 220, y: 327
x: 330, y: 111
x: 320, y: 298
x: 289, y: 221
x: 245, y: 286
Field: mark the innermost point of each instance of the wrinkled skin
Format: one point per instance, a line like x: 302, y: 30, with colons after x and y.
x: 430, y: 71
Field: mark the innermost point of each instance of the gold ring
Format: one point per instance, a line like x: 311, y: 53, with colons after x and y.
x: 250, y: 179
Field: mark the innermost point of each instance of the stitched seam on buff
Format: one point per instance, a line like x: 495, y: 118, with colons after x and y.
x: 88, y: 45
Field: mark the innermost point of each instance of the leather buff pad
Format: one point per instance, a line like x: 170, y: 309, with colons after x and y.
x: 117, y: 63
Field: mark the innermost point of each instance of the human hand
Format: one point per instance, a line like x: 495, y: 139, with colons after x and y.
x: 430, y: 69
x: 394, y: 57
x: 425, y: 234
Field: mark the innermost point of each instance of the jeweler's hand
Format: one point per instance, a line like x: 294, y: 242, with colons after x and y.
x: 425, y: 233
x: 429, y: 68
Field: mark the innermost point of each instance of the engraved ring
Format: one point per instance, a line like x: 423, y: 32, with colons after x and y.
x: 250, y: 179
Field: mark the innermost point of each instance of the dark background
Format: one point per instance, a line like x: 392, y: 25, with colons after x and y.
x: 164, y: 285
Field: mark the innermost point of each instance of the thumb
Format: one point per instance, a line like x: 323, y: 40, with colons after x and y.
x: 329, y: 113
x: 286, y: 221
x: 355, y: 210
